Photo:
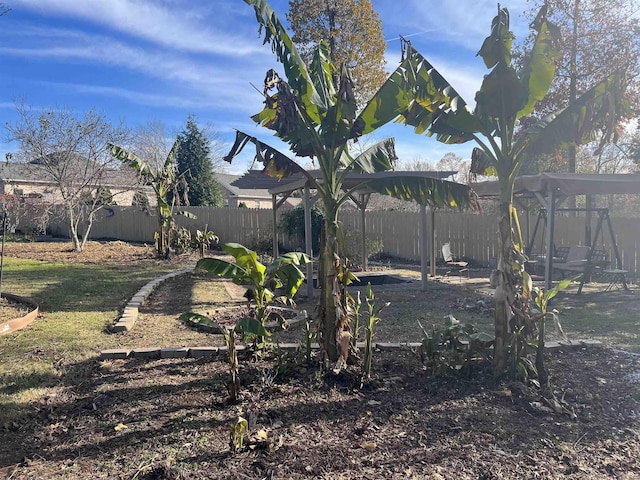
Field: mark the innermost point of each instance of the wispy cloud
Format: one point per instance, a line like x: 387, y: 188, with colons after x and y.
x: 465, y: 24
x: 181, y: 26
x: 202, y: 81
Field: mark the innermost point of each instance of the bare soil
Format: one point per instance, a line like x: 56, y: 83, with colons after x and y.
x: 10, y: 309
x: 169, y: 419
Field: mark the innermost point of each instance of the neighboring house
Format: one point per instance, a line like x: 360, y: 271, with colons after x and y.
x: 248, y: 196
x: 30, y: 181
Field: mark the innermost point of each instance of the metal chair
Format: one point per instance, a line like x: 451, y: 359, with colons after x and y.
x: 453, y: 262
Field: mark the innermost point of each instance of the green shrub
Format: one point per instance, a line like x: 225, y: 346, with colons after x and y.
x: 292, y: 223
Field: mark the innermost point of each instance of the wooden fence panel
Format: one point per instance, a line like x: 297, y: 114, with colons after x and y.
x: 471, y: 235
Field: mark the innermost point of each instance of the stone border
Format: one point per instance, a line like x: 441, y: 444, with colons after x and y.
x: 21, y: 322
x: 200, y: 352
x: 130, y: 314
x: 127, y: 320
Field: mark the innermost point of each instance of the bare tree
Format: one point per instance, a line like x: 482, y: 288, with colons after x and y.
x: 152, y: 142
x: 217, y: 148
x: 69, y: 151
x: 452, y: 162
x: 418, y: 165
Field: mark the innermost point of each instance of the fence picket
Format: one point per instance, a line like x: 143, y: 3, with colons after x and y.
x: 471, y: 235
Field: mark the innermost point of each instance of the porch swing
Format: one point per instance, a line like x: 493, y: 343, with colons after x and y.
x: 596, y: 261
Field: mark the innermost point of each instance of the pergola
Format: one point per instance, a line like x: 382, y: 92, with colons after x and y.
x: 281, y: 189
x: 551, y: 189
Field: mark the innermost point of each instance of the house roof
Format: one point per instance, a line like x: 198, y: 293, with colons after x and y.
x: 34, y: 172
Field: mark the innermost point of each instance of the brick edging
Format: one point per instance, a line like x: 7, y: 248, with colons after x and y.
x: 127, y: 319
x: 199, y: 352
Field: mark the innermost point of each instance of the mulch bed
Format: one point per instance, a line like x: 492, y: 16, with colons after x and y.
x: 168, y: 419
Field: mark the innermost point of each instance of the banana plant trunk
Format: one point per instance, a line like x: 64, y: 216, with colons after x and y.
x: 507, y: 279
x: 332, y: 316
x: 161, y: 240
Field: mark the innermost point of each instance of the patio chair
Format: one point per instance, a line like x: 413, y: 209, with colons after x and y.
x: 456, y: 264
x: 576, y: 260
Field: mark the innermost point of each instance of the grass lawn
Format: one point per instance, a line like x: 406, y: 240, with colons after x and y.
x: 77, y: 302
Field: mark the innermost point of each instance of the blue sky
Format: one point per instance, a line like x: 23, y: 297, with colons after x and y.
x: 144, y: 60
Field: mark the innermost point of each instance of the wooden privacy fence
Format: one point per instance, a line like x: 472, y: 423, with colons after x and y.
x: 473, y: 236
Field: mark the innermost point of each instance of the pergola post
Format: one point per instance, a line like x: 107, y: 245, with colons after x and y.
x: 423, y: 246
x: 551, y: 221
x: 363, y: 224
x: 308, y: 239
x: 274, y: 205
x: 432, y: 241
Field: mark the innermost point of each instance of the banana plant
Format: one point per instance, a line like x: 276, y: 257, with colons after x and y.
x: 434, y: 108
x: 262, y: 280
x: 314, y: 110
x: 165, y: 184
x: 244, y: 326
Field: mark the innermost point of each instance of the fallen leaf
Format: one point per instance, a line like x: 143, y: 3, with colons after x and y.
x: 260, y: 436
x: 120, y: 426
x: 370, y: 446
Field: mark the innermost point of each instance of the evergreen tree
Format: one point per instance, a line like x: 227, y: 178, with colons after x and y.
x: 194, y: 162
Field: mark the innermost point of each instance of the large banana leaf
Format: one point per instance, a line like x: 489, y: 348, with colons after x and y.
x: 377, y: 158
x: 597, y: 110
x: 245, y: 258
x: 391, y: 100
x: 540, y: 65
x: 336, y: 125
x: 222, y: 268
x: 502, y: 94
x: 288, y: 119
x: 291, y: 277
x: 322, y: 72
x: 294, y: 67
x: 132, y: 160
x: 496, y: 48
x: 275, y: 164
x: 425, y: 191
x: 168, y: 168
x: 417, y: 95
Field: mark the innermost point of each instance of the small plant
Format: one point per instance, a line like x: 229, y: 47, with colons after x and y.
x: 309, y: 335
x: 452, y: 346
x: 239, y: 429
x: 373, y: 318
x: 357, y: 305
x: 353, y: 246
x: 203, y: 240
x: 244, y: 326
x: 180, y: 240
x: 263, y: 281
x: 535, y: 319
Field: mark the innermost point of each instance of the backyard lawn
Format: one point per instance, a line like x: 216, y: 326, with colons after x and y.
x: 65, y: 414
